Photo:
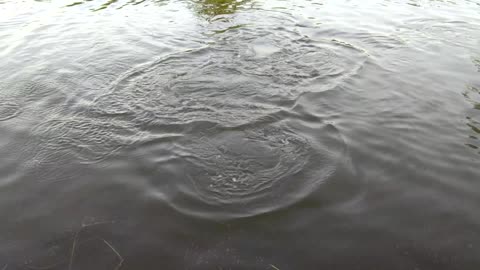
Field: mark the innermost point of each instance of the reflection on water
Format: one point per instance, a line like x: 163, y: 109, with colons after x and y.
x: 117, y: 4
x: 220, y: 134
x: 476, y: 62
x: 212, y: 8
x: 232, y: 156
x: 106, y: 5
x: 204, y: 8
x: 472, y: 95
x: 475, y: 133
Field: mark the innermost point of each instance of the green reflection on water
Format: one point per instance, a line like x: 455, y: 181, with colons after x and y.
x: 476, y: 62
x: 110, y: 3
x: 204, y: 8
x: 212, y: 8
x: 106, y: 5
x: 136, y: 2
x: 74, y: 4
x: 472, y: 95
x: 229, y: 28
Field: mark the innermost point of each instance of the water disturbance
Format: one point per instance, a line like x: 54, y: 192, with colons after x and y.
x: 248, y: 134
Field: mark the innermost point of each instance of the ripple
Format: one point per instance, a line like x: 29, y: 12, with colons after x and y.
x: 110, y: 106
x: 236, y: 164
x: 31, y: 91
x: 225, y: 160
x: 31, y: 101
x: 89, y: 140
x: 226, y: 83
x: 299, y: 63
x: 8, y: 109
x: 238, y: 172
x: 175, y: 91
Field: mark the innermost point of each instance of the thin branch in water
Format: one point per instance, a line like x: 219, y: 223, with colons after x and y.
x: 85, y: 225
x: 274, y: 267
x: 72, y: 254
x: 5, y: 267
x: 44, y: 267
x: 116, y: 252
x: 75, y: 240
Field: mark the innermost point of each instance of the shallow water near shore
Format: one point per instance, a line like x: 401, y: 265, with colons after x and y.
x: 248, y: 134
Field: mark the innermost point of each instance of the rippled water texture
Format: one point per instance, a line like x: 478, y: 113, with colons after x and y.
x: 248, y: 134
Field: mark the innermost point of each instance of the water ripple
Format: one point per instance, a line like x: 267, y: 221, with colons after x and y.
x: 224, y: 173
x: 226, y: 83
x: 231, y: 156
x: 8, y: 109
x: 86, y: 139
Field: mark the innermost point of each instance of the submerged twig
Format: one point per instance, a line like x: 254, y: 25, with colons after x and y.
x: 44, y: 267
x: 274, y: 267
x: 5, y: 267
x: 75, y: 240
x: 72, y: 254
x: 96, y: 223
x: 116, y: 252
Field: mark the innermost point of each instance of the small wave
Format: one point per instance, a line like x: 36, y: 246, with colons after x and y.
x: 224, y: 173
x: 30, y: 100
x: 86, y: 139
x: 35, y: 90
x: 8, y: 109
x: 245, y: 162
x: 234, y: 165
x: 225, y: 83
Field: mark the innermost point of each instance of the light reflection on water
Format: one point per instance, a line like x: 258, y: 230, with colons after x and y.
x: 221, y: 134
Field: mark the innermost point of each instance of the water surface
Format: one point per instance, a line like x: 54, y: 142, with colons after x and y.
x: 248, y: 134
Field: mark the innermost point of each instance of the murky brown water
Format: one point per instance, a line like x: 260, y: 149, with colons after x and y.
x: 220, y: 134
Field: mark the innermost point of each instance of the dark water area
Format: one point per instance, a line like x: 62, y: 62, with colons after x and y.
x: 248, y: 134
